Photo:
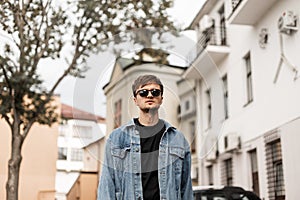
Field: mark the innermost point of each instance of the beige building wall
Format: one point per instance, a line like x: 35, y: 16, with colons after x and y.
x: 38, y: 167
x: 93, y: 156
x: 85, y: 187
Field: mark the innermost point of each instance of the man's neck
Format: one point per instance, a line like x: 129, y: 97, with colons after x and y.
x: 148, y: 118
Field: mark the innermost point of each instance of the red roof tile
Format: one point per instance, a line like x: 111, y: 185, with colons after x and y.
x: 68, y: 112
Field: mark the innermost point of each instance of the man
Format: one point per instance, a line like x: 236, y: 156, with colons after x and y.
x: 146, y: 159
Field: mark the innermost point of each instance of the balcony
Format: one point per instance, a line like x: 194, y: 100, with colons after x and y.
x: 211, y: 48
x: 248, y: 12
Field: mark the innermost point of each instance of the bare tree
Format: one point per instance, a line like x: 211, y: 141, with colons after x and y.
x: 33, y: 30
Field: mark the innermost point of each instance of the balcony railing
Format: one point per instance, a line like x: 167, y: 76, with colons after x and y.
x: 215, y: 36
x: 235, y: 4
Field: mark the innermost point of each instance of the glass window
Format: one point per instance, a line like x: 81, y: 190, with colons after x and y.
x: 76, y: 155
x: 193, y: 136
x: 62, y: 153
x: 228, y: 172
x: 225, y: 87
x: 208, y: 102
x: 278, y: 169
x: 249, y: 89
x: 254, y: 171
x: 210, y: 175
x: 187, y: 105
x: 118, y: 113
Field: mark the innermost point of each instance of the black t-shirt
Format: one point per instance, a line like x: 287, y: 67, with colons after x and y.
x: 150, y: 137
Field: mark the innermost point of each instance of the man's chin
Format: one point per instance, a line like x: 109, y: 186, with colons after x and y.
x: 150, y: 109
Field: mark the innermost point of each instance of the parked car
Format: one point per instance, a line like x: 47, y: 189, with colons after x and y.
x: 223, y: 193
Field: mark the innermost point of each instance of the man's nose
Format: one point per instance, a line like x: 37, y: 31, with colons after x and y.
x: 149, y: 95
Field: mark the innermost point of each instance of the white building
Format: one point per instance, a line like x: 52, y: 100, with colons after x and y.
x: 247, y: 95
x: 78, y: 129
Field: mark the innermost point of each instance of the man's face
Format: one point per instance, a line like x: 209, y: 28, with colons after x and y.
x: 149, y: 102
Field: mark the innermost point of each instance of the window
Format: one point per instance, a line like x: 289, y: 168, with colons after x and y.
x: 227, y: 175
x: 223, y: 25
x: 187, y: 105
x: 179, y: 110
x: 210, y: 175
x: 208, y: 102
x: 76, y: 155
x: 275, y: 170
x: 249, y: 89
x: 254, y: 171
x: 225, y: 86
x: 62, y: 153
x: 193, y: 136
x: 117, y: 113
x: 278, y: 170
x: 195, y: 175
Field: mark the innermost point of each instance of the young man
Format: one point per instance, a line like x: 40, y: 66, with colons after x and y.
x: 146, y: 159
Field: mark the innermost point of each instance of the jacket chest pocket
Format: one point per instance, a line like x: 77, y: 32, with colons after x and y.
x: 177, y: 156
x: 121, y: 158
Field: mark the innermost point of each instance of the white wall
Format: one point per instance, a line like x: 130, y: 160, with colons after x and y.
x: 274, y: 104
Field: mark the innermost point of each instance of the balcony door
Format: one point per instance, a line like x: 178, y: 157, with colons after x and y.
x: 222, y: 25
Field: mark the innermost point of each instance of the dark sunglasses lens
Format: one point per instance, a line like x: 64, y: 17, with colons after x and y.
x: 155, y: 93
x: 143, y: 93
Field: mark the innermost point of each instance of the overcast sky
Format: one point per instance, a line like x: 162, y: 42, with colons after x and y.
x: 87, y: 94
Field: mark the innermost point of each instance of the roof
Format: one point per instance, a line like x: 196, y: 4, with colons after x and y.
x: 68, y: 112
x: 126, y: 63
x: 65, y: 181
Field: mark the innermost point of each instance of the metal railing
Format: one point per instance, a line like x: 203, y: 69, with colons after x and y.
x: 235, y: 4
x: 212, y: 36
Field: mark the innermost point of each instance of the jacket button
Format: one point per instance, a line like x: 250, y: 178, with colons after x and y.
x: 163, y: 151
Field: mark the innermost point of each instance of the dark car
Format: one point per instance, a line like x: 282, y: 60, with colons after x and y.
x: 223, y: 193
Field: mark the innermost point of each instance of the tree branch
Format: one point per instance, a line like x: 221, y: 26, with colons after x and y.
x: 8, y: 121
x: 27, y: 128
x: 20, y: 26
x: 66, y: 72
x: 6, y: 79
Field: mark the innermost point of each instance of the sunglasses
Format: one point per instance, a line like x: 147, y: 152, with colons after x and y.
x: 144, y: 92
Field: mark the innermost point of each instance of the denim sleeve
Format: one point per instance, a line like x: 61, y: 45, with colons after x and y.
x: 186, y: 182
x: 106, y: 188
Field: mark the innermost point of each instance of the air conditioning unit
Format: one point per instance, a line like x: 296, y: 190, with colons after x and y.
x: 206, y: 22
x: 288, y: 22
x: 232, y: 141
x: 211, y: 148
x: 212, y: 154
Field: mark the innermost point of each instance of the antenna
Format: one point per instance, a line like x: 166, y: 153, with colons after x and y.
x: 283, y: 59
x: 287, y: 24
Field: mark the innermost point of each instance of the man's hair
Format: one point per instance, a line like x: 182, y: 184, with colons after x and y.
x: 145, y: 80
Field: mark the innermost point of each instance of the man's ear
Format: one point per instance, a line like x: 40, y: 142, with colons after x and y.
x: 134, y: 99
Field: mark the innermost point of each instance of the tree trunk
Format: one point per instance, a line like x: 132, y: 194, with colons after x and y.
x: 14, y: 163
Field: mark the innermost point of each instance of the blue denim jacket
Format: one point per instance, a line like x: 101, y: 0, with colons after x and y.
x: 121, y: 172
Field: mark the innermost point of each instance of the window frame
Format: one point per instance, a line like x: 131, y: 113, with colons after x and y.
x: 248, y: 78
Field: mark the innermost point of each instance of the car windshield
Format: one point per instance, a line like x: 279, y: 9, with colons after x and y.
x: 244, y: 196
x: 210, y: 196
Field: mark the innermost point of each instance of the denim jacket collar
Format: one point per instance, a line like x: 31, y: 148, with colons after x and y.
x: 132, y: 124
